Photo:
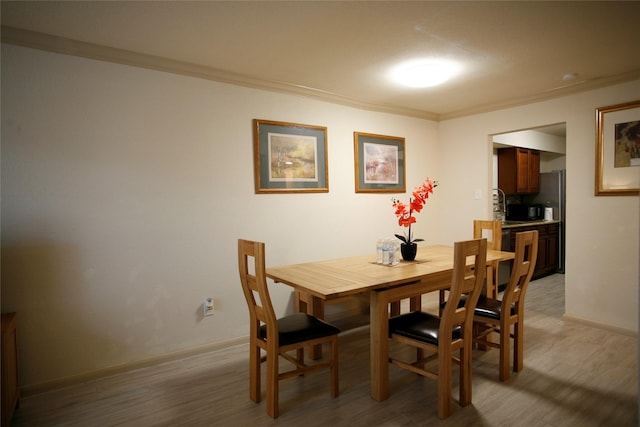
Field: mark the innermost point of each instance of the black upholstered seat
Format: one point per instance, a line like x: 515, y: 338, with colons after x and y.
x: 419, y: 326
x: 489, y: 307
x: 300, y: 327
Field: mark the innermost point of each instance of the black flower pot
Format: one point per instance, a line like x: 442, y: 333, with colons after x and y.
x: 409, y: 251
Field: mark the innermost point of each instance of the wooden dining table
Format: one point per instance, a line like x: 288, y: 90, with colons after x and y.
x: 337, y: 278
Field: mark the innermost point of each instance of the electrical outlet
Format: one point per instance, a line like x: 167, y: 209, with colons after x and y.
x: 207, y: 307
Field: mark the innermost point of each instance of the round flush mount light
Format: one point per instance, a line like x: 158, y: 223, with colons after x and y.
x: 423, y: 73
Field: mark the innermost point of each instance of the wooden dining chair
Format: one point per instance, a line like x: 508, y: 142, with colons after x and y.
x: 492, y: 231
x: 493, y: 315
x: 277, y: 337
x: 440, y: 337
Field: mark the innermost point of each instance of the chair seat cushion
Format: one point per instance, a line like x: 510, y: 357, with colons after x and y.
x: 300, y: 327
x: 489, y: 307
x: 419, y: 326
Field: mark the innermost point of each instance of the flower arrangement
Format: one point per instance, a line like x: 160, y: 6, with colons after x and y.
x: 405, y: 213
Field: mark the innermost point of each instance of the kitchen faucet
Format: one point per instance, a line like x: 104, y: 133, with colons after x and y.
x: 503, y: 212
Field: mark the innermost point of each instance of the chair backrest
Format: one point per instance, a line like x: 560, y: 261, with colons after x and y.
x: 524, y: 264
x: 481, y: 228
x: 251, y: 265
x: 467, y: 280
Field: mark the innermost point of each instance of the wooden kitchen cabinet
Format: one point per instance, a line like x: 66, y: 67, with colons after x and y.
x: 548, y: 260
x: 10, y: 381
x: 518, y: 170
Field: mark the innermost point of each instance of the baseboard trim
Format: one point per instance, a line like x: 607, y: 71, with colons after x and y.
x: 33, y: 389
x: 598, y: 325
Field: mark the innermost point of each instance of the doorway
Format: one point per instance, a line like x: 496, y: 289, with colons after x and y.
x: 550, y: 142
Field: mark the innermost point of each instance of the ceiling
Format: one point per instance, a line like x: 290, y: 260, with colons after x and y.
x: 512, y: 52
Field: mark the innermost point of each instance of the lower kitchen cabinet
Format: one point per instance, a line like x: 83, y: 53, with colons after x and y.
x: 547, y: 251
x: 548, y: 238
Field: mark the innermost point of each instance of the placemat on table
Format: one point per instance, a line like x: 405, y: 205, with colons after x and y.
x: 402, y: 263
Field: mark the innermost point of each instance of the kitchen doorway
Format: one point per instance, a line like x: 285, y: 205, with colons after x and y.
x: 550, y: 142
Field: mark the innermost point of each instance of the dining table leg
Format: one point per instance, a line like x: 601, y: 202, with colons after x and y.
x: 379, y: 331
x: 310, y: 304
x: 317, y: 310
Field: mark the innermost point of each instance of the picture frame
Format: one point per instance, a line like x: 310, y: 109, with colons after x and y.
x: 379, y: 163
x: 289, y: 157
x: 618, y: 150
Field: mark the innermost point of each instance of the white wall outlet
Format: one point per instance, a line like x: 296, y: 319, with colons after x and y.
x: 207, y: 307
x: 478, y: 194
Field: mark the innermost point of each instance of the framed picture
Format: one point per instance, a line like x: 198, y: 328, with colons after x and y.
x: 618, y: 150
x: 289, y: 157
x: 379, y: 163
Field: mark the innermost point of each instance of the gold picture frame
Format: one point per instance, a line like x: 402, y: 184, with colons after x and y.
x: 618, y: 150
x: 289, y: 157
x: 379, y: 163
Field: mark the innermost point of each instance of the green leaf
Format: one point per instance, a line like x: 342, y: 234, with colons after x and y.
x: 401, y: 237
x: 418, y: 240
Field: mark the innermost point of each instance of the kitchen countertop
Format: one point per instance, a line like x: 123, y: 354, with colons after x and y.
x: 516, y: 224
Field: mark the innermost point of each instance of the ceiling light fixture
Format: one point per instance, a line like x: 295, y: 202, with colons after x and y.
x: 424, y: 73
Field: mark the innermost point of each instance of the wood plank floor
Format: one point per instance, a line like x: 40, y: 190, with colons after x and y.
x: 574, y: 375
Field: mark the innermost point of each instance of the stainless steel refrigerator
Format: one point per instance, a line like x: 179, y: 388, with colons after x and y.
x: 552, y: 194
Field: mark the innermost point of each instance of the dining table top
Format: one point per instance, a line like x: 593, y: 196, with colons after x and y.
x: 336, y: 278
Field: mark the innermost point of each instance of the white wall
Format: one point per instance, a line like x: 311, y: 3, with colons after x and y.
x: 533, y: 139
x: 602, y: 232
x: 124, y: 191
x: 550, y: 162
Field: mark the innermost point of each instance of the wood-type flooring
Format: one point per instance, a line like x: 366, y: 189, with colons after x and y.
x: 574, y: 375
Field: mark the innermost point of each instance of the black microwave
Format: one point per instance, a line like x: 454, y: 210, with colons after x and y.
x: 524, y: 212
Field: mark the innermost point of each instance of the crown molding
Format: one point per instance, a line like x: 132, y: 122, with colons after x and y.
x: 582, y: 86
x: 47, y: 42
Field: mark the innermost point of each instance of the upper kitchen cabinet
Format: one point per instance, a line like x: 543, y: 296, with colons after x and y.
x: 518, y: 170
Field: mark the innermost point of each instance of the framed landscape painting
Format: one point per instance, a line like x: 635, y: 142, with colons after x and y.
x: 379, y: 163
x: 289, y: 157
